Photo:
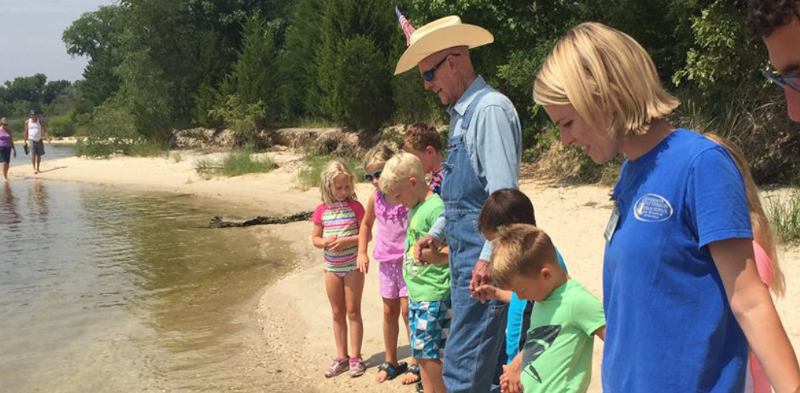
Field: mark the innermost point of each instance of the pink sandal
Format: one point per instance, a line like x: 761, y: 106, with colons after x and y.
x: 338, y: 366
x: 357, y: 367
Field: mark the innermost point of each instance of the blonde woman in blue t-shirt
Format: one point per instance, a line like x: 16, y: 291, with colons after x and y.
x: 682, y: 295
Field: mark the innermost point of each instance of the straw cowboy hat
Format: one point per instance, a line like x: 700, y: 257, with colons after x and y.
x: 447, y: 32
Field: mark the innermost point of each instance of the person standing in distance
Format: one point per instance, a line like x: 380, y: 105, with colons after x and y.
x: 34, y: 130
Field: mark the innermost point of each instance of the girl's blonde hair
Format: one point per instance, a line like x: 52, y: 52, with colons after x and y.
x: 333, y: 169
x: 378, y: 155
x: 607, y: 77
x: 762, y: 232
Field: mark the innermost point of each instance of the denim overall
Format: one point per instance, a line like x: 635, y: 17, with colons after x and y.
x: 476, y: 338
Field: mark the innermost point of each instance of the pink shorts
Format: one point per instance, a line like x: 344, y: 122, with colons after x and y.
x: 391, y: 280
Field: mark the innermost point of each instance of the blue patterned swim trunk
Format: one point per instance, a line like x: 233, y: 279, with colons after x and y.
x: 429, y: 323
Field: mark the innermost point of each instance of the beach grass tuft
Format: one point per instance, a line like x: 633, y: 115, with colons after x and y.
x: 234, y: 164
x: 147, y: 148
x: 784, y: 216
x: 242, y: 162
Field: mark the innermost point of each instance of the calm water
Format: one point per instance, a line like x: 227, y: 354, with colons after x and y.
x: 51, y: 152
x: 103, y: 290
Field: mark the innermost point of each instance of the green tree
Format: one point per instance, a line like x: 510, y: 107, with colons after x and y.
x: 26, y: 88
x: 343, y: 21
x: 53, y: 89
x: 98, y: 36
x: 299, y: 91
x: 363, y: 89
x: 254, y: 75
x: 213, y: 69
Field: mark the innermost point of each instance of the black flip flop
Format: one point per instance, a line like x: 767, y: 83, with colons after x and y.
x: 391, y: 371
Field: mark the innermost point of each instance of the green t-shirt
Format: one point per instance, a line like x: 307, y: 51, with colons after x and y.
x: 558, y: 348
x: 430, y: 282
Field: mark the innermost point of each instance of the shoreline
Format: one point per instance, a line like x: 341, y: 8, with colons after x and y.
x: 293, y: 312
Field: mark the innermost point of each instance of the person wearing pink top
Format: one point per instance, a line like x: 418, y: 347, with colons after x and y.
x: 389, y: 246
x: 757, y: 381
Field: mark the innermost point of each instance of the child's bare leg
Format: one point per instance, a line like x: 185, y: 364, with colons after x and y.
x: 33, y: 161
x: 38, y: 163
x: 353, y: 288
x: 410, y: 378
x: 5, y: 170
x: 432, y: 380
x: 391, y: 329
x: 334, y: 285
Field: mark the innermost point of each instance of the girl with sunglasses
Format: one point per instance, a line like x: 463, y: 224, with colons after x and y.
x: 389, y: 245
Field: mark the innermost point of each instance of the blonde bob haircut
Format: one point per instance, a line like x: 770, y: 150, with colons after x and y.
x: 520, y: 250
x: 378, y: 155
x: 400, y: 168
x: 333, y: 169
x: 607, y: 77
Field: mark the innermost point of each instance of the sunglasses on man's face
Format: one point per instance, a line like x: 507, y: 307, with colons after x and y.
x: 373, y: 175
x: 791, y: 80
x: 430, y: 74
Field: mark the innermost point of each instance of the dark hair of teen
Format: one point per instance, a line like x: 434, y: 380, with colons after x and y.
x: 505, y: 207
x: 764, y: 16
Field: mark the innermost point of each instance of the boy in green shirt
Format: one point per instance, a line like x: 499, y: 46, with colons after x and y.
x: 403, y: 181
x: 557, y: 356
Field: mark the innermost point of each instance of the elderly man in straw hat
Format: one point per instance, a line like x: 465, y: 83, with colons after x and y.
x: 483, y: 156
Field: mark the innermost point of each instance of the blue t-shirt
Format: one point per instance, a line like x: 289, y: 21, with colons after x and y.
x: 669, y: 325
x: 515, y: 324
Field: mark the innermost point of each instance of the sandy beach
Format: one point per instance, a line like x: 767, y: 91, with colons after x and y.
x: 294, y: 313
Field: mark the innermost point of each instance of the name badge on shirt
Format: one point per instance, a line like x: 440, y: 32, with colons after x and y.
x: 612, y: 224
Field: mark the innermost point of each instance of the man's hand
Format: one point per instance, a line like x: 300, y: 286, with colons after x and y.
x: 481, y: 275
x: 363, y: 262
x: 14, y: 150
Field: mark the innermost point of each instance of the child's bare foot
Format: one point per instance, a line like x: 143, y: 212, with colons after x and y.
x: 412, y: 376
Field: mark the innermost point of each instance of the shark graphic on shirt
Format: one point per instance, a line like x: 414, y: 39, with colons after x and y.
x: 538, y: 341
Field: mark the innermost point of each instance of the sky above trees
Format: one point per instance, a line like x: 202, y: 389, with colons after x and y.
x: 30, y: 37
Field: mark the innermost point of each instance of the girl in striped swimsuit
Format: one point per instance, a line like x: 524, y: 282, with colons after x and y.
x: 336, y: 223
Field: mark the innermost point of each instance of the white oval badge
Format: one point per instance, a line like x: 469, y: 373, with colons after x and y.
x: 652, y: 208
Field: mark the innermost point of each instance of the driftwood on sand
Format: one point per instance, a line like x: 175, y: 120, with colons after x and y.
x: 233, y: 222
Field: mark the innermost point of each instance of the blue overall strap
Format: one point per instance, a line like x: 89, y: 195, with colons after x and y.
x: 471, y: 108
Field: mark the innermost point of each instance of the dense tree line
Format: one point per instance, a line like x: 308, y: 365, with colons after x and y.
x: 251, y: 65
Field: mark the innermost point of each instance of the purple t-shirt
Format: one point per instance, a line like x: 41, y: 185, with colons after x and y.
x: 391, y: 234
x: 5, y: 138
